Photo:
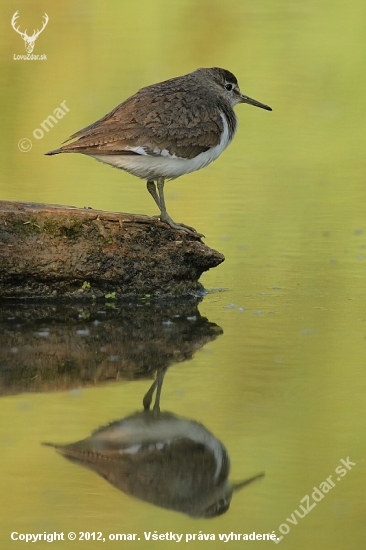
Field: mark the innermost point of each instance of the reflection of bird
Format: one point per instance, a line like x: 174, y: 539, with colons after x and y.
x: 161, y: 458
x: 166, y: 130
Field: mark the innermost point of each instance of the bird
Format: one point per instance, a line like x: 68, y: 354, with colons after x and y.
x: 166, y: 130
x: 161, y: 458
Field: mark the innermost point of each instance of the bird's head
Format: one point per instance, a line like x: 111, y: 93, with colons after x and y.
x: 227, y: 85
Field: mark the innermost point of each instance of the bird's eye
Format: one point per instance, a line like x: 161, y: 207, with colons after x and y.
x: 229, y: 87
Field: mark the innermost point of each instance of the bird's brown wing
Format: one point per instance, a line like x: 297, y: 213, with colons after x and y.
x: 155, y: 118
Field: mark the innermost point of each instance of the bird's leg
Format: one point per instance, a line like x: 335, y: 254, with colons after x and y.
x: 152, y: 190
x: 156, y: 385
x: 149, y: 395
x: 159, y: 385
x: 164, y: 216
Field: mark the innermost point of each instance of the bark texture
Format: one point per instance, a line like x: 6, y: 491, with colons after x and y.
x: 62, y: 251
x: 49, y: 346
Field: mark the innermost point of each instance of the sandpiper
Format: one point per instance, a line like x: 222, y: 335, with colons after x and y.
x: 161, y: 458
x: 166, y: 130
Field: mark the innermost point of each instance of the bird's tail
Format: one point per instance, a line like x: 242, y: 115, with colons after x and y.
x: 55, y: 152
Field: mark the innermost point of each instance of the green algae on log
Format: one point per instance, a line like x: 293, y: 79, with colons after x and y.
x: 62, y: 251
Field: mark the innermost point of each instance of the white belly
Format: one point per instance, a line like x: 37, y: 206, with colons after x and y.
x: 162, y: 164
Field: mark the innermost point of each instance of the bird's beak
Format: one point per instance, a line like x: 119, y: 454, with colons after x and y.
x: 241, y: 484
x: 246, y: 99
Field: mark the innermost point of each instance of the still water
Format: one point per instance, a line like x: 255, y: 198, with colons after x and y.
x: 272, y: 361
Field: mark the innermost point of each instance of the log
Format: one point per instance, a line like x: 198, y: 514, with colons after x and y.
x: 56, y: 346
x: 54, y: 251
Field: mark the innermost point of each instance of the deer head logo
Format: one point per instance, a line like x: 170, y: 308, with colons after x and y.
x: 29, y: 40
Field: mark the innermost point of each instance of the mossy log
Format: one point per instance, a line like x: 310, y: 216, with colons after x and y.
x: 47, y: 346
x: 62, y: 251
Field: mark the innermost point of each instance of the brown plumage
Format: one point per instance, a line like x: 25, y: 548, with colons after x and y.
x: 166, y: 130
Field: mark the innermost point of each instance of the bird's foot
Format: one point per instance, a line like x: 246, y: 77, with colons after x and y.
x: 180, y: 226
